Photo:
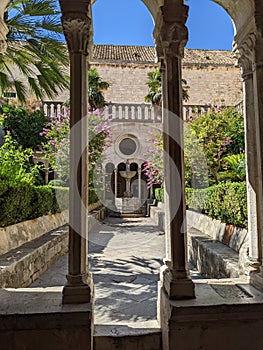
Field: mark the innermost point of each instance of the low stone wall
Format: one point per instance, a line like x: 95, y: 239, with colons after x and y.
x: 233, y: 237
x: 16, y: 235
x: 217, y: 250
x: 31, y: 247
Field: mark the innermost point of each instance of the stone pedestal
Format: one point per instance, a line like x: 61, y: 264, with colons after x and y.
x: 223, y: 316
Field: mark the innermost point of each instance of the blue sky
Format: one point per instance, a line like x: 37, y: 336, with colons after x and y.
x: 128, y: 22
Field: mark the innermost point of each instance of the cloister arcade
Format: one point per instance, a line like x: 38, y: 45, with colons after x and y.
x: 170, y: 36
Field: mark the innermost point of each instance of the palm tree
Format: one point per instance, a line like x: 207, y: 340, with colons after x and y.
x: 96, y: 88
x: 154, y: 83
x: 36, y: 60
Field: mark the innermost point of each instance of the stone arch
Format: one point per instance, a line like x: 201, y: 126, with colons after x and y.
x: 239, y: 11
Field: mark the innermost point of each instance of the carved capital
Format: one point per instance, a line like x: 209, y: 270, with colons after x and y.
x: 170, y: 32
x: 245, y: 51
x: 77, y: 30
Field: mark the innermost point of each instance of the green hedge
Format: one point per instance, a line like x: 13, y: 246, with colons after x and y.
x: 159, y: 194
x: 60, y: 198
x: 226, y: 202
x: 24, y: 201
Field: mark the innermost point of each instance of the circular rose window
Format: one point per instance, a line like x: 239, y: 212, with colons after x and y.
x: 127, y: 146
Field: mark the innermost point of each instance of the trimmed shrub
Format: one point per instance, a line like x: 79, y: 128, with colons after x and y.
x: 226, y: 202
x: 42, y: 201
x: 159, y: 194
x: 15, y: 204
x: 24, y: 202
x: 60, y: 198
x: 93, y: 198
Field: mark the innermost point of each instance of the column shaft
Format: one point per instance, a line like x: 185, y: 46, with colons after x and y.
x: 140, y: 183
x: 115, y: 183
x: 77, y: 28
x: 253, y: 167
x: 176, y: 278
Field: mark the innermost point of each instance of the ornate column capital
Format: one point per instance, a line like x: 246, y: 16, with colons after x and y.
x: 170, y: 31
x: 77, y: 24
x: 244, y: 51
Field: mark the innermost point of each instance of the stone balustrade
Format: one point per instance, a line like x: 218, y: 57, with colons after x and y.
x: 127, y: 112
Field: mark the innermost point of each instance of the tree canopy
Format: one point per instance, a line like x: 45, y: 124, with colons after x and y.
x: 36, y: 59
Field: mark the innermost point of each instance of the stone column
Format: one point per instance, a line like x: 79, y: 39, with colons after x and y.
x: 165, y: 123
x: 257, y: 278
x: 76, y: 20
x: 115, y: 183
x: 172, y: 38
x: 140, y: 183
x: 245, y: 53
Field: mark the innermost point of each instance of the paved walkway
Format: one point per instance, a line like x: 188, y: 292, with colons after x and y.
x: 125, y: 257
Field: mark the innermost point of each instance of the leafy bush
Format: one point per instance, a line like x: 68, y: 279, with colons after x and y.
x: 226, y: 202
x: 93, y: 198
x: 25, y: 127
x: 24, y: 202
x: 15, y: 164
x: 159, y: 194
x: 42, y: 201
x: 220, y: 133
x: 15, y: 204
x: 60, y: 198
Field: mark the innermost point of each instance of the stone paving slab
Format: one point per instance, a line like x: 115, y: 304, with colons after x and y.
x: 125, y: 256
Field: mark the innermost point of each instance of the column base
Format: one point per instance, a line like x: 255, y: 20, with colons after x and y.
x: 177, y: 288
x: 78, y: 293
x: 256, y: 279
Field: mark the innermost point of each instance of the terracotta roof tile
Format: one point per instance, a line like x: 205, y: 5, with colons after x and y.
x: 113, y: 53
x: 147, y: 54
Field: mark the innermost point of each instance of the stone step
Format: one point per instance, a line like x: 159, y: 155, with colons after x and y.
x: 127, y: 337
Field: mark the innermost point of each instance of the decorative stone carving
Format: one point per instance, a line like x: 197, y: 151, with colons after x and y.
x: 170, y: 32
x: 77, y: 33
x: 244, y: 51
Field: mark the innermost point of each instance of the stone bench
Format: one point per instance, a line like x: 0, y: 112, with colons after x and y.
x: 21, y: 266
x: 217, y: 250
x: 29, y: 248
x: 222, y: 248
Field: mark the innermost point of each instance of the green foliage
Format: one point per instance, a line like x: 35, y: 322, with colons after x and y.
x: 219, y: 132
x: 60, y: 197
x: 35, y: 49
x: 24, y: 127
x: 41, y: 202
x: 154, y: 83
x: 159, y: 194
x: 96, y: 87
x: 15, y: 166
x: 57, y: 134
x: 234, y: 167
x: 154, y: 95
x: 15, y: 204
x: 226, y: 202
x: 92, y: 198
x: 24, y: 201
